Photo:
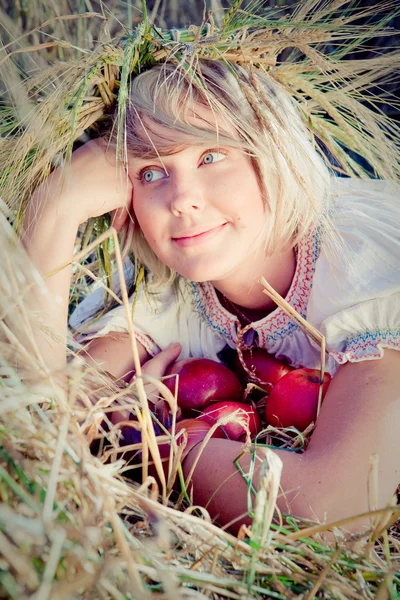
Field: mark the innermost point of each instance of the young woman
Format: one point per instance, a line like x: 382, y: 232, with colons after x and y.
x: 223, y: 185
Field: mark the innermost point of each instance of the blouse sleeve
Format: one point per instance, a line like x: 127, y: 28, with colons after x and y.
x: 355, y: 299
x: 159, y: 319
x: 88, y: 321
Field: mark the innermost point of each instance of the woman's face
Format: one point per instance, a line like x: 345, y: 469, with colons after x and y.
x: 201, y: 210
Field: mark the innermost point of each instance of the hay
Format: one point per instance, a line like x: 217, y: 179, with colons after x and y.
x: 72, y: 525
x: 58, y: 104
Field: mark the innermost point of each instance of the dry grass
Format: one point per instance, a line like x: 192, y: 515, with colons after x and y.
x: 72, y: 525
x: 57, y: 105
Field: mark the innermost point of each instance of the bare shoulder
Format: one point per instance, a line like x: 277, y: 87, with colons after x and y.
x: 113, y: 353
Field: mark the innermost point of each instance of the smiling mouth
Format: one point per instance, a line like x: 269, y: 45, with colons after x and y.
x: 199, y: 238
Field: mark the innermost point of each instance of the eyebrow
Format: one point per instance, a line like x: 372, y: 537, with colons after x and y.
x: 161, y: 157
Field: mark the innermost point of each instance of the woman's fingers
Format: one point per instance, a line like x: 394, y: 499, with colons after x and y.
x: 95, y: 184
x: 119, y: 217
x: 156, y: 367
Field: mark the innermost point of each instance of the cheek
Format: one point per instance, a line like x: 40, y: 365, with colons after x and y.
x: 240, y: 221
x: 144, y: 216
x: 143, y: 229
x: 247, y: 192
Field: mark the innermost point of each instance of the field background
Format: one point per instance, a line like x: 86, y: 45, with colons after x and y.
x: 18, y: 18
x: 70, y: 526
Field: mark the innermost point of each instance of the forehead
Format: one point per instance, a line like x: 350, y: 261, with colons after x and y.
x: 195, y: 118
x: 205, y: 117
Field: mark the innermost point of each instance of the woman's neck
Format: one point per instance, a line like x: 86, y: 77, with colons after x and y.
x: 243, y: 290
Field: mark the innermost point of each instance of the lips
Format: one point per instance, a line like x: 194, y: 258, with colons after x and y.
x: 195, y: 232
x: 197, y: 236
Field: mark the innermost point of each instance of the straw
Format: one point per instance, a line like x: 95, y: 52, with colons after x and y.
x: 72, y: 524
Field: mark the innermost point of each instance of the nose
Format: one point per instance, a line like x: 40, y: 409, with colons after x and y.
x: 186, y: 196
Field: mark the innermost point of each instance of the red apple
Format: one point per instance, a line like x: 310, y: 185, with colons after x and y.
x: 263, y: 365
x: 234, y: 431
x: 202, y: 381
x: 293, y: 401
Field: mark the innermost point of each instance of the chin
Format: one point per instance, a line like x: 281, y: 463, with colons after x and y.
x: 200, y: 274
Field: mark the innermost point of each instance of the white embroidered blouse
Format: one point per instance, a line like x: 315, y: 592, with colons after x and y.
x: 351, y: 295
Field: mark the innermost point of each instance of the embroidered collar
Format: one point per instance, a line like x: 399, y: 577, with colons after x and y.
x: 277, y: 323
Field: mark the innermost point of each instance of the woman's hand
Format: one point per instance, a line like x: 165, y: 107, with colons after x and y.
x: 90, y: 186
x: 154, y: 367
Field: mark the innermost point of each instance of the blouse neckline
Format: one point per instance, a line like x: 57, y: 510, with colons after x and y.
x: 207, y: 304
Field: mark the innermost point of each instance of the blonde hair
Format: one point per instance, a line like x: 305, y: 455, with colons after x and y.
x: 293, y: 177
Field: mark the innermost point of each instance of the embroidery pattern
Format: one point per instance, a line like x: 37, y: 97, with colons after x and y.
x: 368, y: 344
x: 277, y: 324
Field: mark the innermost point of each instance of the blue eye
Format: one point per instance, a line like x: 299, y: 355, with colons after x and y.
x: 212, y: 157
x: 151, y: 175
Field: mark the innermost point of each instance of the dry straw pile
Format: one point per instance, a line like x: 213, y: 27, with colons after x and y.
x: 71, y: 524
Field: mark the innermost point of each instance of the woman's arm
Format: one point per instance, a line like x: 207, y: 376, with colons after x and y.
x: 113, y: 353
x: 89, y: 187
x: 360, y: 416
x: 49, y: 237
